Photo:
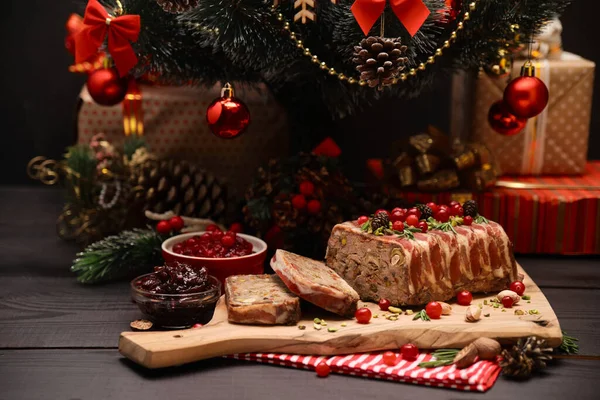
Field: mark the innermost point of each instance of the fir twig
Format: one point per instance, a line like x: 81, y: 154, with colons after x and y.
x: 480, y: 219
x: 442, y: 357
x: 421, y: 315
x: 125, y: 255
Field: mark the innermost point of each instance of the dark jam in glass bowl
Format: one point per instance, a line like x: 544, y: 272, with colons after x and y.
x: 176, y: 295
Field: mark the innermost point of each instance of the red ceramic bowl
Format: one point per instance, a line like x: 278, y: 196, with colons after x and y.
x: 221, y: 268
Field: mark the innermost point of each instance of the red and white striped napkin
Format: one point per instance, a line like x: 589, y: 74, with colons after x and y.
x: 478, y: 377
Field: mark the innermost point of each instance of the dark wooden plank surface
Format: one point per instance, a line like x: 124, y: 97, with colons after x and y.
x: 58, y: 338
x: 103, y: 374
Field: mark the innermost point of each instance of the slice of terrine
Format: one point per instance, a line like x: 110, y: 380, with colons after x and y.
x: 315, y: 282
x: 432, y: 266
x: 260, y: 299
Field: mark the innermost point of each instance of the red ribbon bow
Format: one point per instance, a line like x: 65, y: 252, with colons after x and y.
x: 120, y: 31
x: 412, y: 13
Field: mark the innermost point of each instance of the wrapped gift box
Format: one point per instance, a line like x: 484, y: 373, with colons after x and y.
x: 556, y: 141
x: 174, y: 126
x: 541, y: 214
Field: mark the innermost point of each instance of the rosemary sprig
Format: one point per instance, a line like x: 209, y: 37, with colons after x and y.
x: 442, y: 357
x: 366, y: 227
x: 480, y: 219
x: 440, y: 226
x: 421, y: 315
x: 569, y: 344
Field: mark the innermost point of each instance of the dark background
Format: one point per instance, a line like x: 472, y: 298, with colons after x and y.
x: 38, y: 94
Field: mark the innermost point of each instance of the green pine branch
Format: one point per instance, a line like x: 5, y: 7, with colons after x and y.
x: 121, y: 256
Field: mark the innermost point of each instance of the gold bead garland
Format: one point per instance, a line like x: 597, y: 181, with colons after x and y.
x: 403, y: 77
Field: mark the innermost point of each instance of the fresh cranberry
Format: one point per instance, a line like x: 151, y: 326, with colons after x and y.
x: 299, y: 202
x: 212, y: 227
x: 468, y: 220
x: 384, y: 304
x: 206, y: 237
x: 412, y: 220
x: 217, y: 235
x: 307, y: 188
x: 434, y: 207
x: 414, y: 211
x: 398, y: 226
x: 228, y: 241
x: 423, y: 226
x: 236, y: 227
x: 231, y: 233
x: 456, y: 210
x: 442, y: 215
x: 176, y: 223
x: 398, y: 215
x: 313, y: 207
x: 464, y: 298
x: 190, y: 242
x: 518, y: 287
x: 382, y: 210
x: 323, y: 370
x: 163, y: 227
x: 362, y: 219
x: 409, y: 352
x: 389, y: 358
x: 507, y: 302
x: 443, y: 207
x: 453, y: 203
x: 397, y: 209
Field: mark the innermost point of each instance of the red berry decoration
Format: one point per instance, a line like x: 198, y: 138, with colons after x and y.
x: 398, y: 215
x: 227, y: 116
x: 518, y: 287
x: 313, y: 207
x: 362, y: 219
x: 384, y: 304
x: 228, y: 241
x: 503, y: 121
x: 507, y: 302
x: 389, y: 358
x: 414, y: 211
x: 197, y: 326
x: 423, y: 226
x: 299, y: 202
x: 176, y: 223
x: 456, y: 210
x: 212, y: 227
x: 236, y: 227
x: 217, y: 235
x: 464, y: 298
x: 106, y: 87
x: 434, y: 310
x: 527, y: 95
x: 363, y: 315
x: 398, y: 226
x: 163, y: 227
x: 453, y: 203
x: 434, y: 207
x: 323, y: 370
x: 468, y: 220
x: 409, y: 352
x: 442, y: 215
x: 307, y: 188
x: 412, y: 220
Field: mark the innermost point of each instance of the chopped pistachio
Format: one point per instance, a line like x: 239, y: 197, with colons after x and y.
x: 503, y: 310
x: 302, y: 327
x: 485, y: 302
x: 528, y: 301
x: 395, y: 310
x: 317, y: 320
x: 409, y: 312
x: 480, y: 305
x: 519, y: 312
x: 323, y: 323
x: 375, y: 315
x: 317, y: 327
x: 526, y: 297
x: 533, y: 311
x: 330, y: 329
x: 496, y: 305
x: 344, y: 324
x: 486, y: 315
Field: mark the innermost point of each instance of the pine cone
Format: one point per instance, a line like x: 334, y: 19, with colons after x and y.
x: 160, y: 186
x: 177, y: 6
x: 379, y: 60
x: 426, y: 212
x: 527, y: 356
x: 470, y: 208
x: 380, y: 219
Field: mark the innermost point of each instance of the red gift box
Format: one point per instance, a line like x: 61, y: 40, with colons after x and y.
x: 540, y: 214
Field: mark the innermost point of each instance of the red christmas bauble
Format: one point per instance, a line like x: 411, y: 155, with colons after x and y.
x: 502, y: 121
x: 227, y: 117
x: 526, y: 96
x: 106, y: 87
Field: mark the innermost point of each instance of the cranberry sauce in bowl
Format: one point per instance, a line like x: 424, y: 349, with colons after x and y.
x: 176, y: 295
x: 214, y: 244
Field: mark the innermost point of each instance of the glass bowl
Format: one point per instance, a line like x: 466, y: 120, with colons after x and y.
x: 176, y: 311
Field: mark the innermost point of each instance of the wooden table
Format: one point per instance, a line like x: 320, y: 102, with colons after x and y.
x: 58, y: 339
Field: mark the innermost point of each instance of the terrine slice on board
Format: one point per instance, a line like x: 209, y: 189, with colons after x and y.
x: 260, y: 299
x: 315, y: 282
x: 432, y: 266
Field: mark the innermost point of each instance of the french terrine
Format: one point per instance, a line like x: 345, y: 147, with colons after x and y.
x: 432, y: 266
x: 313, y: 281
x: 260, y: 299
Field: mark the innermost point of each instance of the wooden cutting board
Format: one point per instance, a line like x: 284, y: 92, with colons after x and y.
x: 219, y: 337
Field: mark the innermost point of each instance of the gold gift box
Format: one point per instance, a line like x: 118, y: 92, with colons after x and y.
x: 556, y: 141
